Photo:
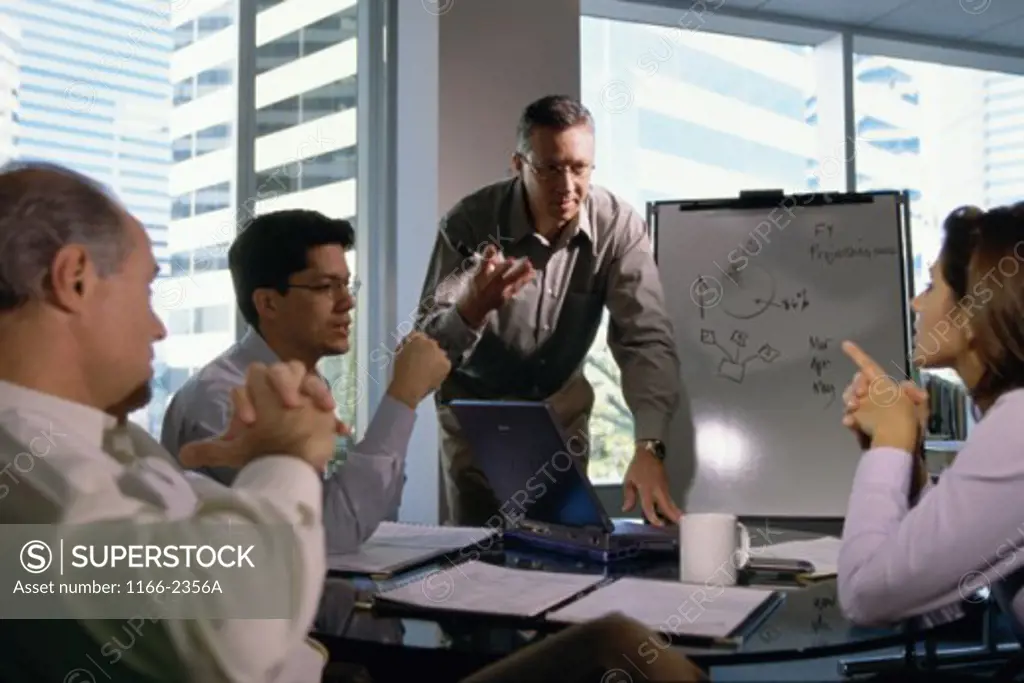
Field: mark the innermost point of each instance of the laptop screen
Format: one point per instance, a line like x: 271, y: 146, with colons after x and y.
x: 528, y: 463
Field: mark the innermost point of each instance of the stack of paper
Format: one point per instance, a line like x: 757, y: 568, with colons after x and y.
x: 398, y: 545
x: 670, y: 607
x: 822, y: 552
x: 484, y: 588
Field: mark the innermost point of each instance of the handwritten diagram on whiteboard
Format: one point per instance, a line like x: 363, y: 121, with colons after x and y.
x: 760, y: 308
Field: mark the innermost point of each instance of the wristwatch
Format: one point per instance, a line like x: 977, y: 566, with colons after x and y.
x: 654, y: 446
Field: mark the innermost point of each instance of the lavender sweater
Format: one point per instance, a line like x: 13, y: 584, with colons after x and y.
x: 965, y: 533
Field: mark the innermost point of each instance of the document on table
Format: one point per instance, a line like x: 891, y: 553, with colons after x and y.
x: 670, y: 607
x: 822, y: 552
x: 484, y: 588
x: 398, y: 545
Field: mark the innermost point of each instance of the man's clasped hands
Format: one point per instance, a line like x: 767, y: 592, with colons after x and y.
x: 283, y: 409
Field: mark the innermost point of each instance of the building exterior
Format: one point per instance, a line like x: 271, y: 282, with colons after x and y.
x: 304, y: 155
x: 10, y: 51
x: 93, y: 93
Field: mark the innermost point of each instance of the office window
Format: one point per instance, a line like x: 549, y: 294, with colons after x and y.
x: 684, y: 114
x: 306, y: 174
x: 195, y: 297
x: 184, y: 35
x: 215, y: 20
x: 218, y: 318
x: 327, y: 99
x: 948, y: 135
x: 182, y: 148
x: 318, y: 172
x: 278, y: 52
x: 182, y: 206
x: 213, y: 139
x: 951, y: 136
x: 280, y: 115
x: 181, y: 264
x: 308, y: 40
x: 184, y: 91
x: 211, y: 259
x: 213, y: 198
x: 212, y: 80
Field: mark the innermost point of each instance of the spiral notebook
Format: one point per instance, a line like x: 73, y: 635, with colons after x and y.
x: 396, y: 546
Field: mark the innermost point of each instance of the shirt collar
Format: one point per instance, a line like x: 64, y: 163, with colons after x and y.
x: 520, y: 225
x: 87, y: 422
x: 256, y: 349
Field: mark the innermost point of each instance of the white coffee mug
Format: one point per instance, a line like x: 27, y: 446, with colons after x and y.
x: 713, y: 547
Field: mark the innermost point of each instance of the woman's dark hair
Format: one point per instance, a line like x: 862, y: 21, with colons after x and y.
x: 982, y: 261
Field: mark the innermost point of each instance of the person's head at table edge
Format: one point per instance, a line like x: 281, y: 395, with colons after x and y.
x: 292, y: 282
x: 969, y: 318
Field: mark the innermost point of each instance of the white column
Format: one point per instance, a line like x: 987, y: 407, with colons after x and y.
x: 244, y: 125
x: 412, y: 38
x: 837, y: 125
x: 463, y: 72
x: 496, y: 57
x: 374, y: 222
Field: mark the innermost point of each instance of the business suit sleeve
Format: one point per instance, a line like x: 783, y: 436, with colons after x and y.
x: 897, y: 562
x: 640, y: 334
x: 367, y: 488
x: 447, y: 278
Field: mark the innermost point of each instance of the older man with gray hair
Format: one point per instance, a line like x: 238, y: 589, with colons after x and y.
x: 518, y: 318
x: 77, y: 329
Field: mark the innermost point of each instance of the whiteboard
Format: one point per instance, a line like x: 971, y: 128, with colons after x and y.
x: 761, y: 292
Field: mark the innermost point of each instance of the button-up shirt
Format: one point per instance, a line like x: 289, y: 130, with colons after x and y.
x: 538, y: 341
x: 357, y: 496
x: 56, y: 470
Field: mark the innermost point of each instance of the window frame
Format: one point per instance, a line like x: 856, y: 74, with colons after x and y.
x: 372, y: 202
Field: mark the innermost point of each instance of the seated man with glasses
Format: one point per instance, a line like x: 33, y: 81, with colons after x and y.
x: 521, y: 273
x: 294, y: 289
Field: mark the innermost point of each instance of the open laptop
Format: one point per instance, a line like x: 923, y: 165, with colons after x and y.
x: 527, y: 460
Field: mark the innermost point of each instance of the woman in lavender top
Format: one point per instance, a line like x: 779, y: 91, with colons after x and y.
x: 910, y: 548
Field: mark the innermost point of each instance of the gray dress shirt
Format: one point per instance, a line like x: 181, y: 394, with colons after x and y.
x: 537, y: 342
x: 364, y: 491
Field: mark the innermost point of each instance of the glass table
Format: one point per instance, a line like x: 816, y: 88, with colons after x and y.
x: 807, y: 624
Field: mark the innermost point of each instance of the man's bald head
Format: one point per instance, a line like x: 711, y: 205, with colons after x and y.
x: 43, y: 208
x: 76, y: 277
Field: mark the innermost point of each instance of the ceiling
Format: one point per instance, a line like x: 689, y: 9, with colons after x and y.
x: 992, y: 24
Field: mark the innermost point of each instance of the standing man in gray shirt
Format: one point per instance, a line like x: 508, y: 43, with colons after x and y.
x: 520, y: 275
